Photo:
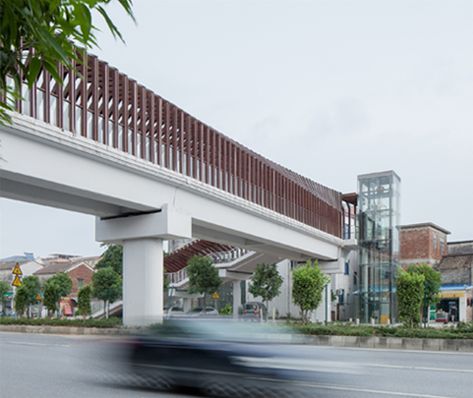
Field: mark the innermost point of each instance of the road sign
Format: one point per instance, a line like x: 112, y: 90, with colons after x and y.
x: 16, y: 281
x: 17, y: 270
x: 215, y: 296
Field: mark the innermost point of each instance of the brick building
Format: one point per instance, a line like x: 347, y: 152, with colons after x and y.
x: 80, y: 270
x: 424, y: 243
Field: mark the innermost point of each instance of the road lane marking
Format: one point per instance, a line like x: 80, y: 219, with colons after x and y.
x: 378, y: 365
x: 370, y: 391
x: 397, y: 350
x: 27, y: 343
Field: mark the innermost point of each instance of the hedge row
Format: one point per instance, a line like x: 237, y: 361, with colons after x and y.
x: 462, y: 331
x: 88, y: 323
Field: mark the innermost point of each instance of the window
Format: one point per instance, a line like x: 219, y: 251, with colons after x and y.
x: 434, y: 242
x: 80, y: 283
x: 347, y: 267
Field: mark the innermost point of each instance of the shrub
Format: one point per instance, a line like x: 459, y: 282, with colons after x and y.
x: 410, y: 293
x: 307, y: 287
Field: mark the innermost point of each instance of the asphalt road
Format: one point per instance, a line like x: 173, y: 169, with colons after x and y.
x: 52, y: 366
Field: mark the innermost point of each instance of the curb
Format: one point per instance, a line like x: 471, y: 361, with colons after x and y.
x: 398, y: 343
x: 68, y: 330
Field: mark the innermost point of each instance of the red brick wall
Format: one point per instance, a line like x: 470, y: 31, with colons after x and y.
x: 417, y: 243
x: 80, y: 272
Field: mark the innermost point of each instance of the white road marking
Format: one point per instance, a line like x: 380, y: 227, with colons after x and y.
x: 370, y: 391
x: 27, y: 343
x: 397, y: 350
x: 378, y: 365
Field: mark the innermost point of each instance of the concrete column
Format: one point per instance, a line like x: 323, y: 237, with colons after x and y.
x: 236, y: 298
x: 142, y: 281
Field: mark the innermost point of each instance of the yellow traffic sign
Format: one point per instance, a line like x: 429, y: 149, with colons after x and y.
x: 215, y: 296
x: 17, y: 270
x: 16, y: 281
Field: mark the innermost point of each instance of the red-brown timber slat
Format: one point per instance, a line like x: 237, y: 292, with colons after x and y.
x: 159, y: 132
x: 47, y: 98
x: 152, y: 128
x: 84, y: 95
x: 105, y: 102
x: 60, y: 99
x: 115, y: 99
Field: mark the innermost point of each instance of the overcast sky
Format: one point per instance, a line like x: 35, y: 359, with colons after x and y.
x: 330, y: 89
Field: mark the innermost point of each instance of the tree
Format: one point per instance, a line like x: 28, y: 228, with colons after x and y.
x: 83, y: 304
x: 55, y: 288
x: 107, y: 286
x: 51, y: 296
x: 4, y: 290
x: 21, y: 301
x: 410, y: 292
x: 112, y: 257
x: 432, y: 283
x: 265, y: 282
x: 203, y: 276
x: 28, y: 293
x: 307, y: 287
x: 54, y: 28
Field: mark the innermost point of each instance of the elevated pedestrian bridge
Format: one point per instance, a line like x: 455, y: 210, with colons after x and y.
x: 102, y: 144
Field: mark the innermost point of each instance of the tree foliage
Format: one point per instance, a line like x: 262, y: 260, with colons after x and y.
x: 266, y: 282
x: 112, y: 257
x: 410, y: 293
x: 83, y: 304
x: 55, y: 288
x: 307, y: 287
x: 54, y: 28
x: 51, y: 296
x: 203, y: 276
x: 4, y: 289
x: 21, y: 301
x: 432, y: 283
x: 107, y: 286
x: 26, y: 294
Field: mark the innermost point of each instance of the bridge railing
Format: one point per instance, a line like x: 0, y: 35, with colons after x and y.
x: 98, y: 102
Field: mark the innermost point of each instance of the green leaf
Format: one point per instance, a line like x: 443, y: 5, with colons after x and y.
x: 33, y: 71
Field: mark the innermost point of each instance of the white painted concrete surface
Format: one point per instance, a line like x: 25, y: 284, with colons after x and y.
x: 142, y: 281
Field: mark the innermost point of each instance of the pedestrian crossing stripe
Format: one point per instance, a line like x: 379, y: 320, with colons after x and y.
x: 16, y: 282
x: 17, y: 270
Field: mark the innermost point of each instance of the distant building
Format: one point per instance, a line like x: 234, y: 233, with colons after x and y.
x: 80, y: 270
x: 424, y: 243
x: 456, y: 293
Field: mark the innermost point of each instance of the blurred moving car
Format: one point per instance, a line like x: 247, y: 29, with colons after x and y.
x: 254, y: 311
x: 214, y: 357
x: 202, y: 312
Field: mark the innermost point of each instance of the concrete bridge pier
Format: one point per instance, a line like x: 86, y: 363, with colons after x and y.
x: 142, y: 238
x: 142, y: 281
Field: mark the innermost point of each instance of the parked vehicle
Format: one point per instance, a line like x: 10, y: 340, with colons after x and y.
x: 202, y: 312
x: 173, y: 311
x: 254, y: 311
